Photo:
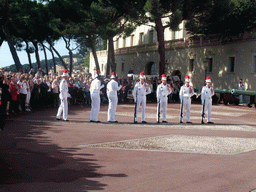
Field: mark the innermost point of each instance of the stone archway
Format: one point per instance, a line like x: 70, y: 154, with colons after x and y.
x: 150, y: 68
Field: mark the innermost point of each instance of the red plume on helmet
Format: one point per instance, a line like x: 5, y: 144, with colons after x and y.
x: 142, y: 75
x: 187, y: 79
x: 208, y: 79
x: 163, y: 77
x: 113, y: 76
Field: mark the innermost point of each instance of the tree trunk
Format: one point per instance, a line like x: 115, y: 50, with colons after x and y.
x: 67, y: 42
x: 161, y: 45
x: 54, y: 62
x: 29, y: 56
x: 53, y: 58
x: 92, y: 42
x: 62, y: 61
x: 46, y: 61
x: 71, y: 62
x: 14, y: 54
x: 108, y: 62
x: 35, y: 43
x: 1, y: 41
x: 112, y: 54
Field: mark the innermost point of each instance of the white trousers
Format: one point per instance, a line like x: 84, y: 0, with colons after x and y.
x: 141, y: 101
x: 95, y: 106
x: 28, y: 98
x: 186, y: 108
x: 163, y: 107
x: 63, y: 108
x: 112, y: 107
x: 208, y: 106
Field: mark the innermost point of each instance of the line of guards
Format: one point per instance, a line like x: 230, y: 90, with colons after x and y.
x: 141, y: 89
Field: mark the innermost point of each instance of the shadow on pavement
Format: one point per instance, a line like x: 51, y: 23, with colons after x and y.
x: 29, y: 161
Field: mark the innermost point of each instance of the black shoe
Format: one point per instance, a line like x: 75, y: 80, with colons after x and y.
x: 91, y: 121
x: 158, y: 122
x: 189, y: 122
x: 135, y: 122
x: 97, y: 121
x: 65, y: 120
x: 144, y: 122
x: 210, y: 122
x: 164, y: 122
x: 181, y: 122
x: 202, y: 122
x: 58, y: 119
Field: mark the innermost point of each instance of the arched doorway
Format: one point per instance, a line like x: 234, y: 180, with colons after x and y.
x: 151, y: 68
x: 176, y: 73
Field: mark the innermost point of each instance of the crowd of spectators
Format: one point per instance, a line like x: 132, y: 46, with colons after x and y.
x: 30, y: 90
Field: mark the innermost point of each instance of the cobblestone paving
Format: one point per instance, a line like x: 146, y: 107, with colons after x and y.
x: 185, y: 144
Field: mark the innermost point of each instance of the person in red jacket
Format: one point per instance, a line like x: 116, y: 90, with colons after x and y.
x: 14, y: 91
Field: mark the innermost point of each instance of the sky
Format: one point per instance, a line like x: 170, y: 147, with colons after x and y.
x: 7, y: 60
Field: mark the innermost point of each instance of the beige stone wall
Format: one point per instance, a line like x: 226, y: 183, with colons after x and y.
x: 244, y: 53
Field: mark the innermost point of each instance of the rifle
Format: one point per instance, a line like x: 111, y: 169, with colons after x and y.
x: 159, y: 111
x: 135, y: 110
x: 181, y: 112
x: 203, y: 113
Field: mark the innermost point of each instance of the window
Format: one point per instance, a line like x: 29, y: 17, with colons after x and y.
x: 210, y: 65
x: 132, y: 38
x: 122, y: 67
x: 191, y: 65
x: 151, y: 36
x: 141, y: 38
x: 124, y: 42
x: 231, y: 66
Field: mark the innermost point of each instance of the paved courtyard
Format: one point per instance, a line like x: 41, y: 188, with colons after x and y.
x: 39, y: 153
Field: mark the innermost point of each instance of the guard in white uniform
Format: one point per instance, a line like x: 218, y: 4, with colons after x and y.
x: 141, y: 89
x: 162, y: 92
x: 112, y: 88
x: 95, y: 97
x: 186, y: 92
x: 63, y: 96
x: 241, y: 87
x: 206, y: 98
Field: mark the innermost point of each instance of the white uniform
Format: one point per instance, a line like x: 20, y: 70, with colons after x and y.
x: 64, y: 100
x: 206, y: 96
x: 141, y: 91
x: 241, y: 87
x: 162, y: 93
x: 186, y: 92
x: 112, y: 88
x: 95, y: 96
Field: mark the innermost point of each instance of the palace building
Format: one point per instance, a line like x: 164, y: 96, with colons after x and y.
x: 226, y: 63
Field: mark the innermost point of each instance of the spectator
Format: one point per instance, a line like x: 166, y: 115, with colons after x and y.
x: 55, y: 92
x: 14, y: 91
x: 23, y: 92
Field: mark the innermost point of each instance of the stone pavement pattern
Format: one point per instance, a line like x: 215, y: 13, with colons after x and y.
x: 39, y: 153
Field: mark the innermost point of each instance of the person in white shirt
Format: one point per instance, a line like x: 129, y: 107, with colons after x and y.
x: 241, y: 87
x: 23, y: 92
x: 141, y: 89
x: 63, y: 96
x: 186, y: 92
x: 95, y: 98
x: 206, y: 98
x: 162, y: 92
x: 112, y: 88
